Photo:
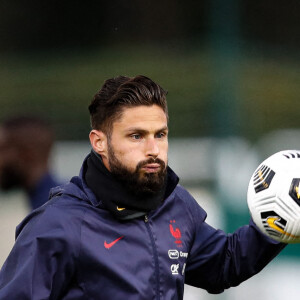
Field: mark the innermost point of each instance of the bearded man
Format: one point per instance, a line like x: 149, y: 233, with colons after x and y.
x: 124, y: 228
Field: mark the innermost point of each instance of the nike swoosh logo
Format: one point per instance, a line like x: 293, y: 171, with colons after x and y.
x: 120, y: 208
x: 109, y: 245
x: 272, y: 223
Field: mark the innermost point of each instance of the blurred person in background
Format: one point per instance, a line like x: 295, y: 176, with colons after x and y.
x: 124, y: 228
x: 25, y: 147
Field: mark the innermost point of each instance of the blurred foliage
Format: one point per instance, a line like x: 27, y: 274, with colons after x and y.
x: 230, y: 68
x: 59, y: 85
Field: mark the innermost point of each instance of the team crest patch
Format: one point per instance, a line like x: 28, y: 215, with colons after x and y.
x: 176, y: 233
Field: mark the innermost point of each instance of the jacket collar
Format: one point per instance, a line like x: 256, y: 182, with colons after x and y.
x: 78, y: 187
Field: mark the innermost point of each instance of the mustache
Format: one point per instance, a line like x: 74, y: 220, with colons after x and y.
x: 151, y: 160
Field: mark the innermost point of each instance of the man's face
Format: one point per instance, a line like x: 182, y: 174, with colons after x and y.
x: 137, y: 151
x: 11, y: 175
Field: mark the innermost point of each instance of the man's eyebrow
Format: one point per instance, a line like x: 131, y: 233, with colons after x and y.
x: 165, y: 128
x: 141, y: 130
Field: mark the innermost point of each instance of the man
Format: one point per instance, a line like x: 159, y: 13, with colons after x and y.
x: 124, y: 228
x: 25, y: 146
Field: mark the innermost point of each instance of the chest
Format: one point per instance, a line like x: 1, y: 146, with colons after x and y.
x: 145, y: 257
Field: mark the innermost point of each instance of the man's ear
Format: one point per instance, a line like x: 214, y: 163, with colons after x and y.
x: 98, y: 141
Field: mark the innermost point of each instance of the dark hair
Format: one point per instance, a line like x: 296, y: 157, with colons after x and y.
x: 121, y: 92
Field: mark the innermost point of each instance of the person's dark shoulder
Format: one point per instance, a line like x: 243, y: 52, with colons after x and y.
x: 196, y: 212
x: 61, y: 214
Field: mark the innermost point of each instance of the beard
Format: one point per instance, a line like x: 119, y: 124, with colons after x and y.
x: 138, y: 181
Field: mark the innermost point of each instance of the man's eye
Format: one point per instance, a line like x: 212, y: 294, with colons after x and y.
x: 136, y: 136
x: 161, y: 135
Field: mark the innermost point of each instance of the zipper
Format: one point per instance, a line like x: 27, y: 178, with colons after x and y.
x: 146, y: 220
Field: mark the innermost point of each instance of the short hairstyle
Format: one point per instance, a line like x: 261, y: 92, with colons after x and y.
x: 123, y: 92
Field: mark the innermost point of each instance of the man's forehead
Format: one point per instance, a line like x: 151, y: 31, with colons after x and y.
x: 142, y: 118
x: 142, y: 112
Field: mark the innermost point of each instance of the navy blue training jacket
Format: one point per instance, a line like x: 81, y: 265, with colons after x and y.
x: 72, y: 248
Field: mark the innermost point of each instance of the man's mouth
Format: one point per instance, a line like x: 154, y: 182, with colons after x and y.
x: 151, y: 168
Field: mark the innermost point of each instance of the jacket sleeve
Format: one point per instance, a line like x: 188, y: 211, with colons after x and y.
x: 42, y: 261
x: 218, y: 261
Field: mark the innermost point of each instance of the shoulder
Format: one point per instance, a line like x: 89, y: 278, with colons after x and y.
x: 60, y: 217
x: 196, y: 212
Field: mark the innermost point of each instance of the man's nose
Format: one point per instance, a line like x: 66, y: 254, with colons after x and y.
x: 152, y: 148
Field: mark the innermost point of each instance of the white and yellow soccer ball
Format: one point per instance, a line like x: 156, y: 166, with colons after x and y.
x: 274, y: 196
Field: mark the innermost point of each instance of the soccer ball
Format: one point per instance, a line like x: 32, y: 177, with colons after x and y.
x: 274, y: 196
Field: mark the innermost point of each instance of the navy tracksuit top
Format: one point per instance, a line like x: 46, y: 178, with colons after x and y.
x: 73, y: 248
